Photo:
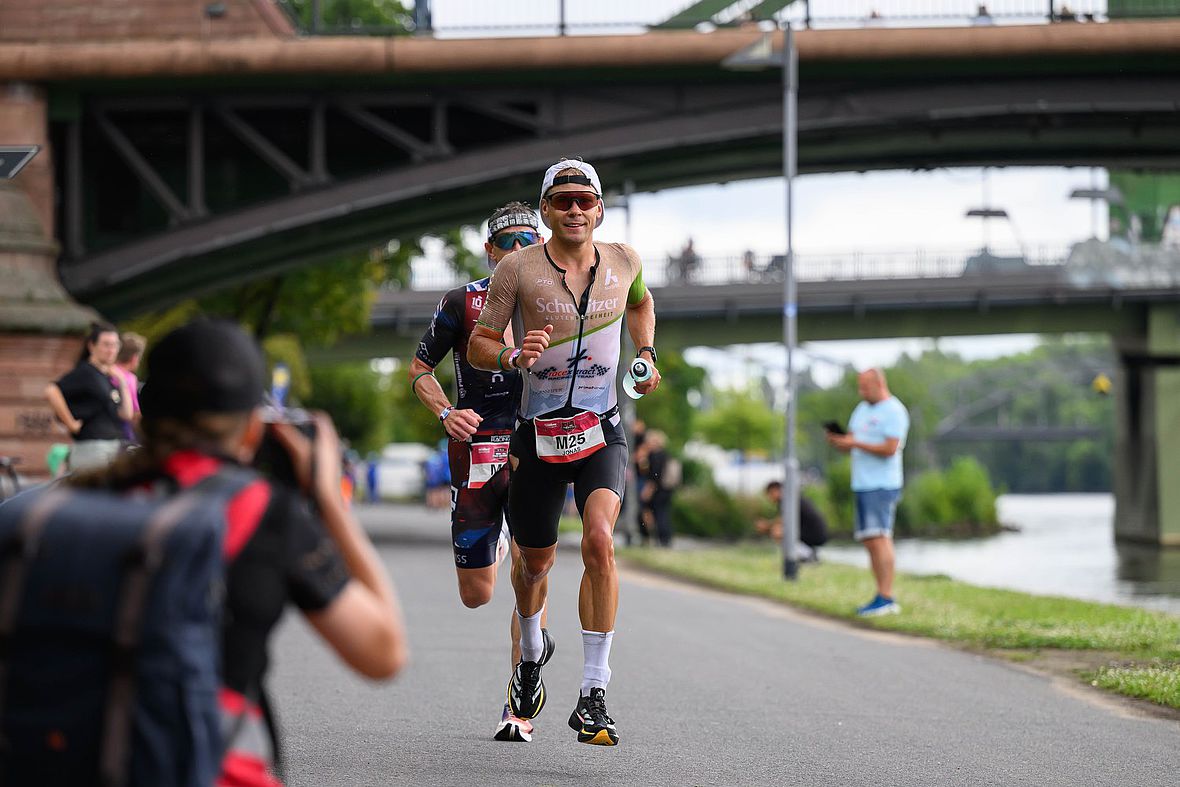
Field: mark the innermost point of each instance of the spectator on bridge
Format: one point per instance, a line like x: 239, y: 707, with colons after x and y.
x: 748, y: 264
x: 813, y: 528
x: 91, y: 402
x: 126, y: 364
x: 983, y: 17
x: 876, y: 436
x: 201, y: 411
x: 685, y: 265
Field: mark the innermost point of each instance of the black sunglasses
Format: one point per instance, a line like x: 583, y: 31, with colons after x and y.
x: 506, y: 240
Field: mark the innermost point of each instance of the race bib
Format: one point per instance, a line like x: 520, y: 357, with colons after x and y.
x: 489, y: 452
x: 568, y: 439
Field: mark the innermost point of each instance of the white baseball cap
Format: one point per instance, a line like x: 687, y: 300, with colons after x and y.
x: 587, y: 170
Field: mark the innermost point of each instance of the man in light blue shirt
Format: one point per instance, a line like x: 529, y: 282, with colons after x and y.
x: 876, y: 437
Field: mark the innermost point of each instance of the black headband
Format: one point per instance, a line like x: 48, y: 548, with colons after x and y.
x: 581, y: 180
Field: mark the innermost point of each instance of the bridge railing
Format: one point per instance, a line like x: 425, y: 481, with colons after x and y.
x: 479, y: 18
x: 1087, y: 264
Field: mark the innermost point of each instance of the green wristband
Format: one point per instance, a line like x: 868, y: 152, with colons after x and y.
x: 500, y: 357
x: 414, y: 385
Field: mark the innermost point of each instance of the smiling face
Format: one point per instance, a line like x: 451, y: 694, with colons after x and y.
x: 571, y: 210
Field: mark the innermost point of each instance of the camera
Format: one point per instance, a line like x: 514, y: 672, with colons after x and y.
x: 272, y: 459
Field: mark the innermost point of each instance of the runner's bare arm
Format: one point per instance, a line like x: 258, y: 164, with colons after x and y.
x: 459, y: 424
x: 641, y: 324
x: 486, y: 345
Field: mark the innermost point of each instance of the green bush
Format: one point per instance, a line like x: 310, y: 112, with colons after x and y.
x: 711, y: 512
x: 839, y: 492
x: 925, y: 502
x: 696, y: 473
x: 970, y: 490
x: 352, y: 395
x: 959, y: 501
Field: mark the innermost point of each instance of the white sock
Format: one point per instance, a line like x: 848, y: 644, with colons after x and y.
x: 532, y: 644
x: 596, y: 652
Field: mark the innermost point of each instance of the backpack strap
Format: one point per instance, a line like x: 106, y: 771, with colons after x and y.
x: 15, y: 556
x: 243, y: 516
x: 144, y: 561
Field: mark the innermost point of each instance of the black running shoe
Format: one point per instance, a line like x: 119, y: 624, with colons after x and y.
x: 526, y: 690
x: 591, y: 722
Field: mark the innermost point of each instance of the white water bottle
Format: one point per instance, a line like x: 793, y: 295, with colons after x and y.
x: 639, y: 371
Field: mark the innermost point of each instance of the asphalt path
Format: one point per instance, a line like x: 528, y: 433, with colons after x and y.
x: 708, y: 689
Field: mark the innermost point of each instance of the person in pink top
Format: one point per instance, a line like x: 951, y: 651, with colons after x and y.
x: 126, y: 364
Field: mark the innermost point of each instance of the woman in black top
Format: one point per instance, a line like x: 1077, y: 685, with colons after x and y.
x: 92, y: 401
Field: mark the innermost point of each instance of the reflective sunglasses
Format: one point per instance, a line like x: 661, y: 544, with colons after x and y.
x: 506, y: 240
x: 565, y: 200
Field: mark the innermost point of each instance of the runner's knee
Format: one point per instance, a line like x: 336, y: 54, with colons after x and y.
x: 598, y: 550
x: 475, y: 588
x: 534, y: 565
x: 474, y: 596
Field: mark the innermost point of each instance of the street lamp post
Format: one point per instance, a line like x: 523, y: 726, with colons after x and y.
x: 790, y: 501
x: 758, y: 56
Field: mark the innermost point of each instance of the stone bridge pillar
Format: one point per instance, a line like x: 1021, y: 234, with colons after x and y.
x: 1147, y: 443
x: 40, y: 327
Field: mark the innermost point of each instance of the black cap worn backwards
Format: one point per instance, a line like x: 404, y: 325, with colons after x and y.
x: 206, y: 366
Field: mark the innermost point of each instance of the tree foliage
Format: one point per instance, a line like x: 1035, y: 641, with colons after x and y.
x: 356, y: 396
x: 741, y: 421
x: 390, y: 17
x: 670, y: 407
x: 1047, y: 386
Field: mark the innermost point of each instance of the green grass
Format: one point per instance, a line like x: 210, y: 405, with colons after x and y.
x: 1013, y: 624
x: 1160, y: 684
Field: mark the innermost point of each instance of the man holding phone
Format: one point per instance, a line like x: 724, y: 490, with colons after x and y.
x: 875, y: 439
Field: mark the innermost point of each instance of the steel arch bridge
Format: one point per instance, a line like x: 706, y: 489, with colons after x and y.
x: 170, y: 188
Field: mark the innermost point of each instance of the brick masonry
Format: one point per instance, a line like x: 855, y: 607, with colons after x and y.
x: 120, y: 20
x: 27, y: 426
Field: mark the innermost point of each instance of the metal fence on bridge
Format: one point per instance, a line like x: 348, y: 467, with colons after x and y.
x: 1090, y: 263
x: 478, y: 18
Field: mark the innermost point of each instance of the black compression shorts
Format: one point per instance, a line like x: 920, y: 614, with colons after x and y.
x: 476, y: 513
x: 539, y: 487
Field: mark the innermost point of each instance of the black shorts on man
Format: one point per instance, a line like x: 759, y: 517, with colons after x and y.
x: 539, y: 487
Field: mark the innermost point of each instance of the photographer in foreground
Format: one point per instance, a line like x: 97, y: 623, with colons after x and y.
x: 201, y: 414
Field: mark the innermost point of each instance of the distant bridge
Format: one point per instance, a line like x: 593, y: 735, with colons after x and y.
x: 850, y: 296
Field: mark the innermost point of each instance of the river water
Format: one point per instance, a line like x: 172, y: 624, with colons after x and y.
x: 1065, y: 546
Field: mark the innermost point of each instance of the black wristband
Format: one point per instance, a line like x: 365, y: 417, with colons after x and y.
x: 650, y: 349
